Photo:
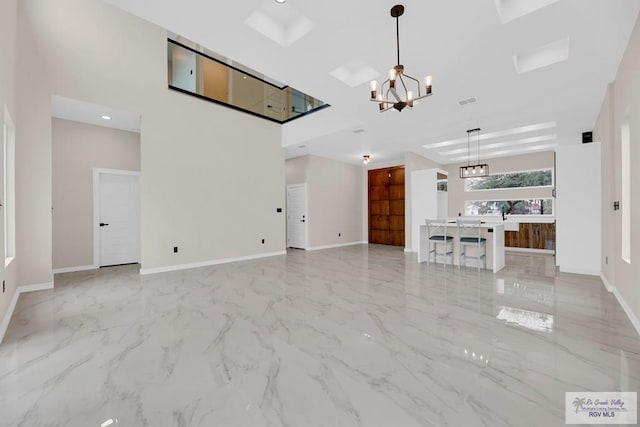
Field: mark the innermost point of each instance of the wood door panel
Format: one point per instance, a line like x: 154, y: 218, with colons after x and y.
x: 379, y: 236
x: 378, y: 193
x: 396, y: 223
x: 397, y: 176
x: 379, y: 222
x: 386, y: 206
x: 379, y: 207
x: 378, y: 178
x: 396, y: 207
x: 396, y: 192
x: 396, y: 238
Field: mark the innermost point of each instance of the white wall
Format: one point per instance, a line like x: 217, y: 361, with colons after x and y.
x: 578, y: 216
x: 622, y: 104
x: 412, y: 162
x: 77, y: 149
x: 334, y: 194
x: 212, y: 177
x: 8, y: 81
x: 424, y: 201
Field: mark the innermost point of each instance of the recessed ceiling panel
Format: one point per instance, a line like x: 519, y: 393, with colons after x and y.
x: 508, y: 10
x: 543, y: 56
x: 355, y: 73
x: 283, y: 24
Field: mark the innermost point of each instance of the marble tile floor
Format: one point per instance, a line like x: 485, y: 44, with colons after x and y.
x: 355, y: 336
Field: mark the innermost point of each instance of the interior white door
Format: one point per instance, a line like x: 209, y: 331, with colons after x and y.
x: 119, y: 219
x: 297, y: 216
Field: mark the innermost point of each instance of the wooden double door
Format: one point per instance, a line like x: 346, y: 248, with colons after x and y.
x: 386, y: 206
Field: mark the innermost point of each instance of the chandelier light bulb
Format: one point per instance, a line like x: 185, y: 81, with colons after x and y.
x: 392, y: 74
x: 374, y: 86
x: 409, y: 95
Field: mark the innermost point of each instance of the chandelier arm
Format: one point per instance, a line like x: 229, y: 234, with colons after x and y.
x: 418, y: 84
x: 395, y: 94
x: 378, y: 101
x: 422, y: 96
x: 403, y: 85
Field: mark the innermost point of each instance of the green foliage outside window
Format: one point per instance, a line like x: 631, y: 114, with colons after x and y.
x: 538, y: 178
x: 509, y: 207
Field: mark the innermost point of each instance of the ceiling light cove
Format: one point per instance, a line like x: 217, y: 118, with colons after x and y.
x: 496, y: 134
x: 543, y: 56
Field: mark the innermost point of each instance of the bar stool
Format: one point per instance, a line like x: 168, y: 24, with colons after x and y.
x: 437, y: 235
x: 469, y: 235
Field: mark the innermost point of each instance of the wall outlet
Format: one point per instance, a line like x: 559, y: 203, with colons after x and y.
x: 175, y: 249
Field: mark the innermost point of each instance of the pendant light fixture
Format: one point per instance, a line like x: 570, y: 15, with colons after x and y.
x: 396, y: 84
x: 477, y: 170
x: 366, y: 159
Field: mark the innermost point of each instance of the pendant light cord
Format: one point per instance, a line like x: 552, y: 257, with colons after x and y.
x: 478, y: 146
x: 398, y: 38
x: 468, y: 149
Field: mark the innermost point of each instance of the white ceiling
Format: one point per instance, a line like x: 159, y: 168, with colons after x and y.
x: 487, y: 49
x: 86, y: 112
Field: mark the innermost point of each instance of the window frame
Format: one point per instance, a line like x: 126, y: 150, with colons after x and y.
x: 551, y: 215
x: 552, y: 185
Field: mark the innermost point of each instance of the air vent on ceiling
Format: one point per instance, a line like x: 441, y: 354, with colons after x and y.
x: 468, y: 101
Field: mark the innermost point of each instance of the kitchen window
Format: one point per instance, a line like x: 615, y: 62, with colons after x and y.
x: 538, y: 207
x: 519, y: 179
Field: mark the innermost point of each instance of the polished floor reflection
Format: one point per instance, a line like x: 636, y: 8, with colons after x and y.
x: 356, y: 336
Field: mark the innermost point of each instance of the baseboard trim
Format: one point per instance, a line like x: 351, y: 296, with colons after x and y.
x: 530, y: 250
x: 145, y: 271
x: 340, y: 245
x: 14, y: 300
x: 625, y: 307
x: 580, y: 271
x: 74, y: 269
x: 606, y: 283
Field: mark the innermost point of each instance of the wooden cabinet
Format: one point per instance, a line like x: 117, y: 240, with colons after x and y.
x: 532, y: 235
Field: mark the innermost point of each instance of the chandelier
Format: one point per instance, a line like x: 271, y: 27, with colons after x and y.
x: 396, y: 84
x: 477, y: 170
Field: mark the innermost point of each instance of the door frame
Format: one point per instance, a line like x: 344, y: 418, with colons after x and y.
x: 96, y: 209
x: 306, y: 209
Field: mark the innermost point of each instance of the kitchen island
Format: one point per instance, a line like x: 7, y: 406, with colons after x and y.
x: 492, y: 231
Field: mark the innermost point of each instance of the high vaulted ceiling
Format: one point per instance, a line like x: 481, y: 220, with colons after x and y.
x: 492, y: 50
